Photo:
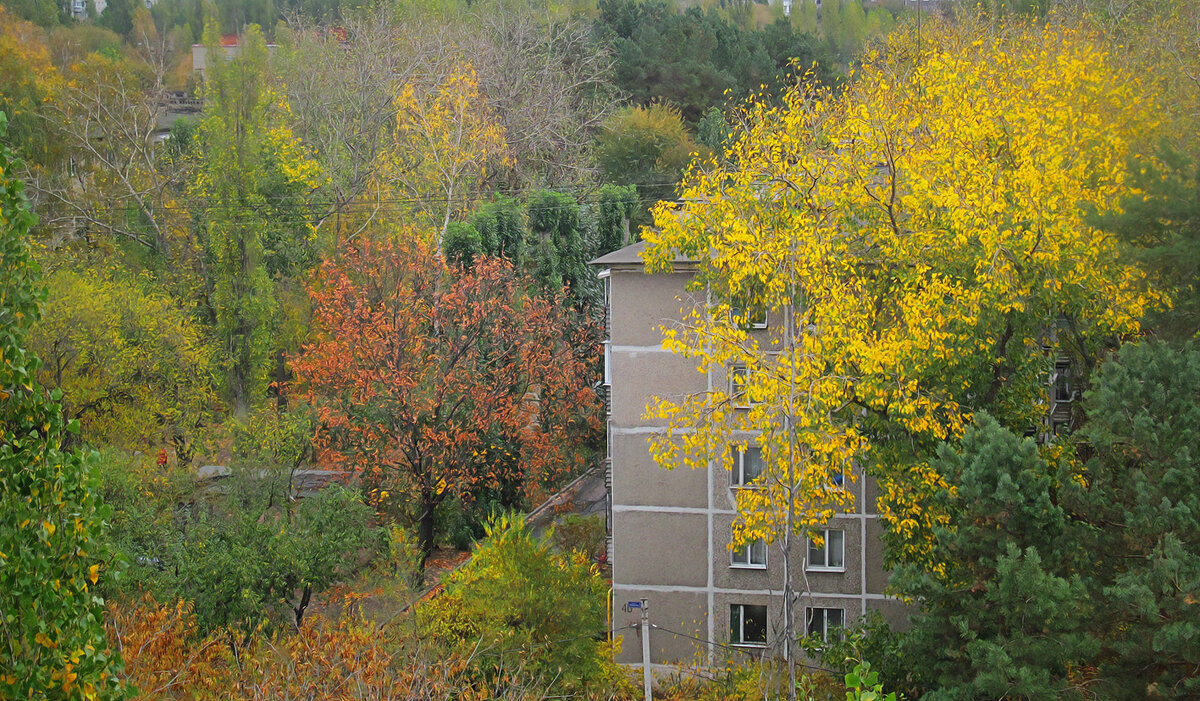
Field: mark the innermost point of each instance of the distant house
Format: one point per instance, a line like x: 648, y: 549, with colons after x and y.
x: 230, y: 47
x: 670, y: 529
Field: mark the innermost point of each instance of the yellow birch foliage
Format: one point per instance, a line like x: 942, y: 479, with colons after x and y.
x: 921, y: 240
x: 445, y: 141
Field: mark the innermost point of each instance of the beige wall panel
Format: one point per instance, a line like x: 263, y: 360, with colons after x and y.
x: 643, y: 375
x: 849, y: 581
x: 638, y: 480
x: 721, y: 604
x: 683, y: 612
x: 660, y: 548
x: 872, y: 488
x: 877, y: 577
x: 642, y: 304
x: 895, y: 612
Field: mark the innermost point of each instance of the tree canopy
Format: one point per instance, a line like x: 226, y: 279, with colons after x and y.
x: 52, y: 544
x: 434, y: 383
x: 920, y: 240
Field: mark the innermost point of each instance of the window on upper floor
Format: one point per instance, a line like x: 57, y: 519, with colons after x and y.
x: 748, y: 625
x: 747, y: 466
x: 830, y: 554
x: 751, y: 556
x: 748, y: 316
x: 827, y: 623
x: 739, y: 386
x: 607, y: 363
x: 1063, y: 390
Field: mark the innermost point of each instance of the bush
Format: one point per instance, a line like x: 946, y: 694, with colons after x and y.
x: 520, y: 605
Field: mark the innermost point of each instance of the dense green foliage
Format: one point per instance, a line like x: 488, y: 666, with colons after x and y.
x: 254, y: 565
x: 240, y: 548
x: 1161, y: 230
x: 1072, y: 575
x: 44, y: 13
x: 551, y: 625
x: 1138, y: 500
x: 550, y: 235
x: 1008, y: 615
x: 691, y: 59
x: 52, y: 543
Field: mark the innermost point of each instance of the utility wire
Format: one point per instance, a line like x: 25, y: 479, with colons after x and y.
x: 247, y: 209
x: 527, y: 648
x: 734, y: 648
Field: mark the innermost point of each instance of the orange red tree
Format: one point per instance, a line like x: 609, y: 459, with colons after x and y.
x: 435, y: 382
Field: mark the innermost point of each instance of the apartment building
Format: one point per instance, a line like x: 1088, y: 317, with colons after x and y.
x: 670, y: 530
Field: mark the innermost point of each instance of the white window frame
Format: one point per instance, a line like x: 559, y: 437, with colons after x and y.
x: 814, y: 613
x: 737, y: 636
x: 737, y: 473
x: 825, y: 550
x: 740, y: 400
x: 752, y: 556
x: 607, y: 363
x: 753, y: 324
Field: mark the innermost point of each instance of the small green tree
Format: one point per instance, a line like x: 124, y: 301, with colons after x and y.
x: 245, y: 566
x: 557, y: 238
x: 462, y: 244
x: 519, y: 602
x: 52, y: 643
x: 618, y: 205
x: 501, y: 227
x: 648, y: 147
x: 118, y: 16
x: 254, y: 180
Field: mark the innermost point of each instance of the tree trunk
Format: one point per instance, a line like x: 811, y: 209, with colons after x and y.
x: 425, y: 531
x: 305, y: 598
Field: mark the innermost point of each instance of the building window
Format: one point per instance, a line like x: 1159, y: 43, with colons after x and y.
x: 747, y: 465
x: 748, y: 625
x: 739, y: 386
x: 608, y: 363
x: 1063, y: 392
x: 825, y: 623
x: 753, y: 555
x: 748, y: 317
x: 830, y: 555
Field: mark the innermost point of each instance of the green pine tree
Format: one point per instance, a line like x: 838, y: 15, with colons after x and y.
x: 1007, y: 618
x: 1140, y: 495
x: 1160, y: 227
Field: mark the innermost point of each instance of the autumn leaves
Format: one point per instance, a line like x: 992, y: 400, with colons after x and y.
x: 919, y: 239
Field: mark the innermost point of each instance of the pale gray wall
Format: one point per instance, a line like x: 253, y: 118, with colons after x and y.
x: 639, y: 481
x: 684, y: 612
x: 660, y: 548
x: 666, y: 548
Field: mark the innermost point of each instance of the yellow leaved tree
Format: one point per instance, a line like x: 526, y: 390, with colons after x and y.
x: 920, y: 248
x: 445, y: 142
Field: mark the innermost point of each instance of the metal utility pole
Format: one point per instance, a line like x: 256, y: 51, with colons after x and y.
x: 645, y: 629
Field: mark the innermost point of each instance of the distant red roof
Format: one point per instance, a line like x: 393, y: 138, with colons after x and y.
x: 230, y: 40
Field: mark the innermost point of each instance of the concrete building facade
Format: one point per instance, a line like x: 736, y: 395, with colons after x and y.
x: 670, y: 530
